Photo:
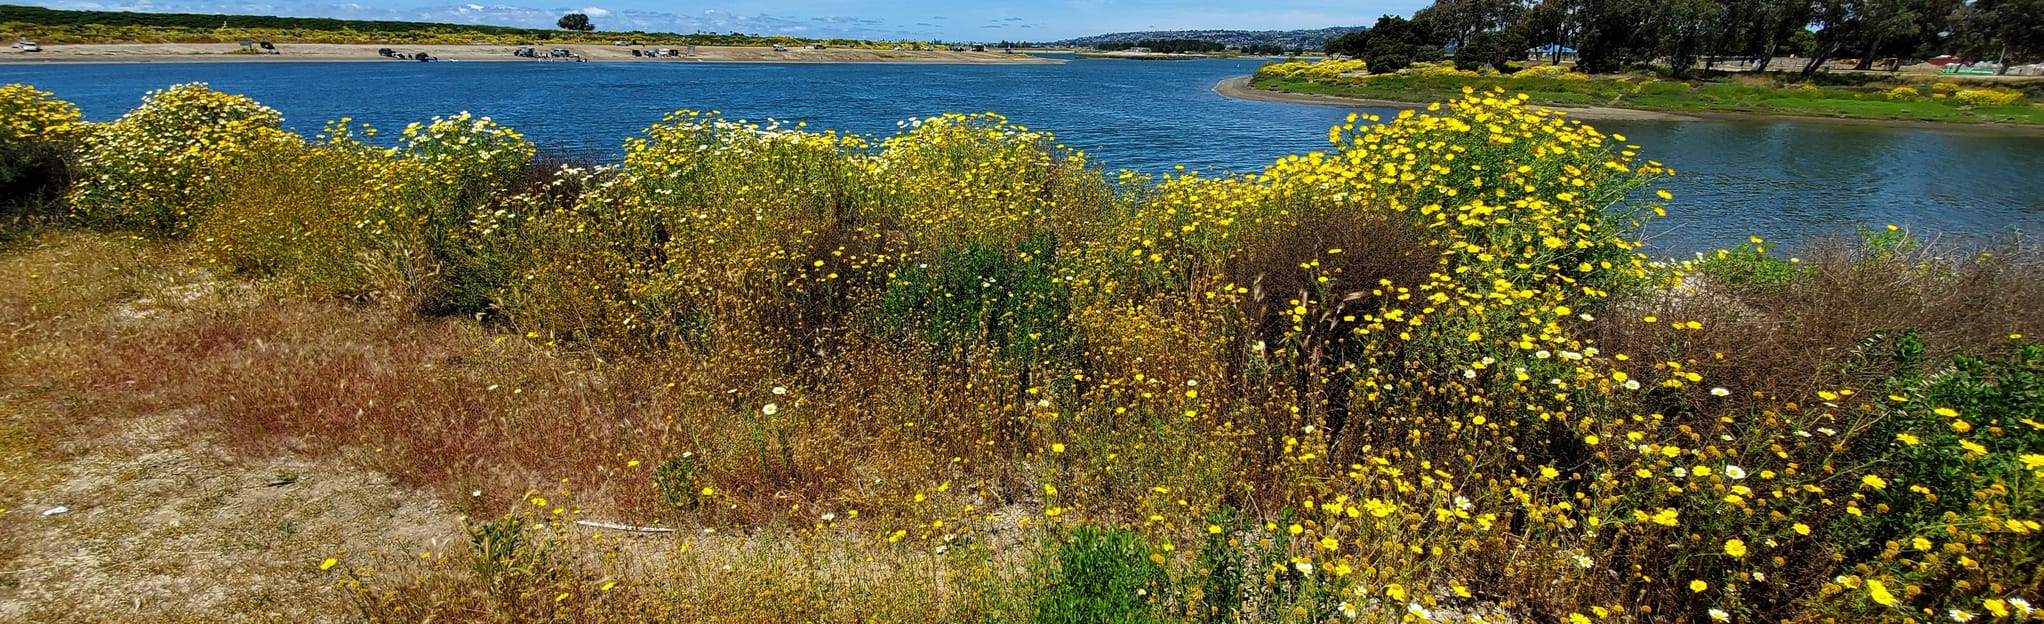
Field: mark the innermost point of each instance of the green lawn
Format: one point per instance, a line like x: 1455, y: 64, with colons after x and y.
x: 1674, y: 96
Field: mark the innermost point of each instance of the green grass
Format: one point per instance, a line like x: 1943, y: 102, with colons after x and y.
x: 1674, y: 96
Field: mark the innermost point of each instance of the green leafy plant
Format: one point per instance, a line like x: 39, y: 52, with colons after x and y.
x: 675, y: 479
x: 1105, y: 576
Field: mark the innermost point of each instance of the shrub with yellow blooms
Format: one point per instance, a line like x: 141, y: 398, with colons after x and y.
x: 1988, y: 97
x: 38, y: 135
x: 1426, y: 372
x: 153, y: 169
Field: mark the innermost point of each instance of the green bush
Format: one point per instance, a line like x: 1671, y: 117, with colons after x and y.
x: 1009, y: 300
x: 1105, y: 576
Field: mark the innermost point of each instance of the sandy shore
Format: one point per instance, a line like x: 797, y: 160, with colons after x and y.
x: 1239, y: 88
x: 228, y: 52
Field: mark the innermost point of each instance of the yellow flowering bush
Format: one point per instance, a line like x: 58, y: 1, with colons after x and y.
x: 29, y: 115
x: 38, y: 134
x: 1425, y: 371
x: 1326, y: 70
x: 153, y: 169
x: 466, y: 153
x: 1902, y: 93
x: 1426, y: 69
x: 705, y: 215
x: 1543, y: 71
x: 1988, y: 97
x: 465, y: 161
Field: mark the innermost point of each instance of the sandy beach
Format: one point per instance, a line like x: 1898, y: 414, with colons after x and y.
x: 326, y: 52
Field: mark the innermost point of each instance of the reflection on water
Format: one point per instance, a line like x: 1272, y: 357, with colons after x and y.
x: 1788, y: 181
x: 1799, y: 181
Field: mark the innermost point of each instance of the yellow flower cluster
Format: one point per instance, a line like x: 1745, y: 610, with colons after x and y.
x: 1328, y: 70
x: 1381, y: 375
x: 153, y: 168
x: 1545, y: 71
x: 1427, y: 69
x: 29, y: 115
x: 1988, y: 97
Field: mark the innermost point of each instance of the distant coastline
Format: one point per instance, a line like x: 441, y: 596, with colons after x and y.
x: 331, y: 52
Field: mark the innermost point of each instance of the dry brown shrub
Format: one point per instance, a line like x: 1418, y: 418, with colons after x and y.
x: 1825, y: 328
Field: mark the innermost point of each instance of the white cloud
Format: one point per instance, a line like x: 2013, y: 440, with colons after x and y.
x: 597, y: 11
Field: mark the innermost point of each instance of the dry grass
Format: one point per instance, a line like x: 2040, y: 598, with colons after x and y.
x: 1825, y: 326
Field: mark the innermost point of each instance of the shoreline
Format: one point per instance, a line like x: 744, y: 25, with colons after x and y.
x: 70, y: 54
x: 1238, y: 87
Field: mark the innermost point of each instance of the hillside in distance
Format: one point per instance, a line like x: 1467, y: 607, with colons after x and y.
x: 1307, y: 39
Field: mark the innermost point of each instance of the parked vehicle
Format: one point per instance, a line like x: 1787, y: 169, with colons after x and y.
x: 28, y: 46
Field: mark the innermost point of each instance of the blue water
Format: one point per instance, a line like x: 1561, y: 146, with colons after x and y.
x: 1791, y: 182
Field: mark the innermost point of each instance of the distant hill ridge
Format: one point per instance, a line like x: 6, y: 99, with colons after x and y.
x: 1307, y: 39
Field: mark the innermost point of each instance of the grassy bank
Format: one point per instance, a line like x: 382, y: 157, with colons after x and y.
x: 962, y: 373
x: 1914, y: 99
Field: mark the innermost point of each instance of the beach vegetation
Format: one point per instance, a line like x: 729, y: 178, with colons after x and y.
x: 759, y: 372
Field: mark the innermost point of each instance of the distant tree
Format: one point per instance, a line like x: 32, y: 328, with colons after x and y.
x: 1684, y: 30
x: 1395, y: 43
x: 1552, y: 24
x: 1459, y: 21
x: 2006, y: 31
x: 1612, y: 34
x: 1351, y: 45
x: 1800, y: 43
x: 1489, y: 49
x: 576, y: 22
x: 1779, y: 28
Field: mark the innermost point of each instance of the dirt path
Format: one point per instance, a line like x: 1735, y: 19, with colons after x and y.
x: 162, y: 528
x: 113, y: 513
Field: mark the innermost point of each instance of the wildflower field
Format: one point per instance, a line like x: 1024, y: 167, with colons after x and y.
x: 1902, y: 96
x: 760, y: 373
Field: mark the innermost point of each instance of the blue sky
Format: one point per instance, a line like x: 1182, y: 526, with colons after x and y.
x: 874, y: 19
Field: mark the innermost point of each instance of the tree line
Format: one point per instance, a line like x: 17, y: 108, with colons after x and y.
x: 1166, y: 46
x: 1609, y: 35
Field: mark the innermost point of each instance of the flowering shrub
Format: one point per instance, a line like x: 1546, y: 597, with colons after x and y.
x: 466, y: 153
x: 1432, y: 69
x: 1988, y: 97
x: 29, y: 115
x: 1902, y: 93
x: 464, y: 161
x: 1326, y: 70
x: 38, y: 134
x: 1544, y: 71
x: 153, y: 168
x: 1426, y: 371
